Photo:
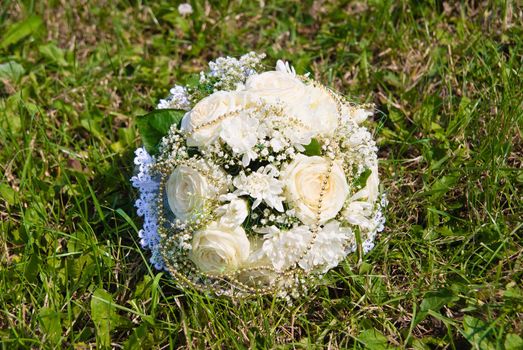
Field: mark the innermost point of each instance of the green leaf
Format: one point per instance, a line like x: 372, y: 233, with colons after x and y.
x: 434, y: 301
x: 417, y: 344
x: 53, y: 53
x: 513, y: 292
x: 476, y: 332
x: 103, y: 314
x: 155, y: 125
x: 92, y: 124
x: 20, y: 30
x: 441, y: 186
x: 140, y: 339
x: 193, y: 80
x: 513, y: 342
x: 361, y: 181
x: 11, y: 71
x: 374, y: 340
x: 32, y: 268
x: 50, y: 324
x: 8, y: 194
x: 313, y: 148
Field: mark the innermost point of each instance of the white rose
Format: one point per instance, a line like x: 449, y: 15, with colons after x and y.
x: 274, y: 86
x: 303, y: 182
x: 318, y: 110
x: 187, y: 190
x: 313, y: 106
x: 219, y: 248
x: 210, y: 109
x: 234, y: 213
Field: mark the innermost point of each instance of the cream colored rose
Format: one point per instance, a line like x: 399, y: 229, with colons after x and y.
x: 303, y: 183
x: 313, y: 106
x: 187, y: 190
x: 274, y: 86
x: 219, y: 248
x: 280, y: 87
x: 210, y: 109
x: 318, y: 110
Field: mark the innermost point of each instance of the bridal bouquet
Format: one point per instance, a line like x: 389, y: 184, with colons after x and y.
x: 255, y: 182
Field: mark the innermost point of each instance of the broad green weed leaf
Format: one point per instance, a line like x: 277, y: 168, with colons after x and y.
x: 513, y: 342
x: 12, y: 71
x: 374, y: 340
x: 8, y: 194
x: 513, y: 292
x: 476, y: 332
x: 20, y: 30
x: 441, y: 186
x: 50, y: 324
x: 53, y: 53
x: 434, y: 301
x: 139, y: 339
x: 142, y: 291
x: 92, y: 124
x: 417, y: 344
x: 32, y: 268
x: 103, y: 315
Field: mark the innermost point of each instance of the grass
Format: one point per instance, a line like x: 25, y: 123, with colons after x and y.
x: 447, y: 79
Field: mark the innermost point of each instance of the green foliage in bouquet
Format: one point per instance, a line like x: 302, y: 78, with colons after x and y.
x: 155, y: 125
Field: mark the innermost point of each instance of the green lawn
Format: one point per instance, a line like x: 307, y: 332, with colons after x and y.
x: 448, y: 82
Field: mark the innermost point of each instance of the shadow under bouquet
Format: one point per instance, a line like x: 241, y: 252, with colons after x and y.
x: 256, y: 182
